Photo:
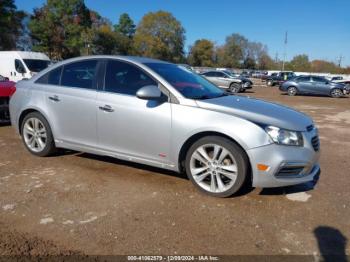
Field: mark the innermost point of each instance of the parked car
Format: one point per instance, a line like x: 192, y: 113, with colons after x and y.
x: 345, y: 82
x: 153, y: 112
x: 2, y: 78
x: 7, y: 88
x: 341, y: 80
x: 18, y: 65
x: 279, y: 78
x: 226, y: 80
x: 314, y: 85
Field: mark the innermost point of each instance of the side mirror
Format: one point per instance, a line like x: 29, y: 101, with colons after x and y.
x: 150, y: 92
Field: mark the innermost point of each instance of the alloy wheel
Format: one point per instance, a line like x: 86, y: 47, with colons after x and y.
x: 336, y: 93
x: 292, y: 91
x: 213, y: 168
x: 35, y: 134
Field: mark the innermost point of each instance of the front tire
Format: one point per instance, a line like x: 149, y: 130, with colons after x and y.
x: 336, y: 93
x: 235, y: 87
x: 216, y: 166
x: 292, y: 91
x: 37, y: 136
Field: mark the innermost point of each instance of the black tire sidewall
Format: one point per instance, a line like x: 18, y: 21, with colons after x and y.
x: 235, y: 150
x: 50, y: 143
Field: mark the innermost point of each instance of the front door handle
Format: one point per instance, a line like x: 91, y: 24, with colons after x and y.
x: 106, y: 108
x: 54, y: 98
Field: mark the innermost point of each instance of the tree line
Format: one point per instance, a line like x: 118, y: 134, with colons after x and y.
x: 68, y: 28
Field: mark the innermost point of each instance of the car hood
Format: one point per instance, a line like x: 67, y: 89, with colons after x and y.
x: 242, y: 78
x: 334, y: 84
x: 258, y: 111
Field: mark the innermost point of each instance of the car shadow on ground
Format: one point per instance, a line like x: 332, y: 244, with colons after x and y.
x: 116, y: 161
x: 331, y: 243
x: 308, y: 186
x: 4, y: 123
x: 245, y: 189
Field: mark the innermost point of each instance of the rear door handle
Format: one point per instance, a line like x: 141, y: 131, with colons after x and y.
x: 54, y: 98
x: 106, y: 108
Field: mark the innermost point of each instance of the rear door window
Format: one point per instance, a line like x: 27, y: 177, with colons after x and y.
x: 80, y: 74
x: 304, y: 79
x: 319, y: 79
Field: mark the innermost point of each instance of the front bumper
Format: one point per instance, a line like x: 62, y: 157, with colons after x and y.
x: 287, y: 165
x: 247, y: 85
x: 4, y: 109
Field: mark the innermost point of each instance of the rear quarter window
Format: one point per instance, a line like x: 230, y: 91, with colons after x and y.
x: 52, y: 77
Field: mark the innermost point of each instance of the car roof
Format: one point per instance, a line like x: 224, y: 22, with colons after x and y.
x: 137, y: 59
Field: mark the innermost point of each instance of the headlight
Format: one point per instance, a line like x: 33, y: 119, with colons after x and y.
x: 284, y: 137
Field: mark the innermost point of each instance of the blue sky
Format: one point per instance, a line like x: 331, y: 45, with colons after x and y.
x: 319, y: 28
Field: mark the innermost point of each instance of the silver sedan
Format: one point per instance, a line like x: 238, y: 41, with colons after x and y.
x: 160, y: 114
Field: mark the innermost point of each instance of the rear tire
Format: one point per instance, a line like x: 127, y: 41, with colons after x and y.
x: 336, y: 93
x: 217, y: 166
x: 235, y: 88
x: 269, y: 83
x: 292, y: 91
x: 37, y: 136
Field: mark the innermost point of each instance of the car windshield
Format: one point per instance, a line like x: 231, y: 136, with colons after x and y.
x: 189, y: 84
x: 232, y: 74
x: 36, y: 65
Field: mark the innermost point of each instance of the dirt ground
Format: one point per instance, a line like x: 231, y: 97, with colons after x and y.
x: 77, y: 203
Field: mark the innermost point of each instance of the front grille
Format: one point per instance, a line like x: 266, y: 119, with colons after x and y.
x: 290, y: 171
x: 315, y: 141
x: 309, y: 128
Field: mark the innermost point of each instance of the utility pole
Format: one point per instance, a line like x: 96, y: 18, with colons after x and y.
x: 285, y: 50
x: 339, y: 60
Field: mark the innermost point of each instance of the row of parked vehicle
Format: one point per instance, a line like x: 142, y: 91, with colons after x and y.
x: 16, y: 66
x: 309, y: 84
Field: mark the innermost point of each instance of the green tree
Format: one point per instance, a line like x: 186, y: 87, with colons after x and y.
x: 265, y: 62
x: 159, y: 35
x: 233, y: 52
x: 10, y: 24
x: 202, y: 53
x: 249, y: 63
x: 57, y: 28
x: 125, y: 26
x: 323, y: 66
x: 104, y: 41
x: 300, y: 63
x: 124, y: 34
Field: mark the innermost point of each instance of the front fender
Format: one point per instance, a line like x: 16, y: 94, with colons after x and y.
x: 189, y: 121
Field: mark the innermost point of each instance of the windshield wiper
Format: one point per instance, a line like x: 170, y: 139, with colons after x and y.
x: 203, y: 97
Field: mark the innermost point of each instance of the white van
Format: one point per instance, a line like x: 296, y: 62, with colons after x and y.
x: 17, y: 65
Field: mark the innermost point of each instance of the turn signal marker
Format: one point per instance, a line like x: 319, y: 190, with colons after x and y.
x: 262, y: 167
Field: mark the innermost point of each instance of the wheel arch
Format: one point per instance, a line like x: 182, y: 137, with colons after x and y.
x: 27, y: 111
x: 192, y: 139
